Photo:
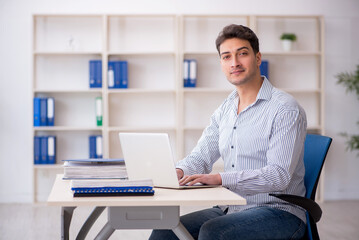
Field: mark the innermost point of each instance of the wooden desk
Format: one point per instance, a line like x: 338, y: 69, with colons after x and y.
x: 160, y: 211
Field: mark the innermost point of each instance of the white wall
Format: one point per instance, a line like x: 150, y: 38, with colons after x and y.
x: 342, y: 54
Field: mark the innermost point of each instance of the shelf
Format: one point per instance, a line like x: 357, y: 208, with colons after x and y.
x: 154, y: 47
x: 67, y: 128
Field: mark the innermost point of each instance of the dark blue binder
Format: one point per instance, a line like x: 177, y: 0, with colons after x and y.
x: 95, y: 73
x: 264, y: 68
x: 50, y: 111
x: 43, y: 112
x: 92, y: 146
x: 51, y: 149
x: 43, y: 155
x: 37, y: 149
x: 113, y: 191
x: 37, y: 112
x: 123, y: 74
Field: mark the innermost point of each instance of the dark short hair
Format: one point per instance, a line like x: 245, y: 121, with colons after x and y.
x: 238, y: 31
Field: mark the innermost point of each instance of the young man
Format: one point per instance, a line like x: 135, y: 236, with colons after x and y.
x: 259, y: 132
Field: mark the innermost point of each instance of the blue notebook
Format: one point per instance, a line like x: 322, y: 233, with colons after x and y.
x: 113, y: 191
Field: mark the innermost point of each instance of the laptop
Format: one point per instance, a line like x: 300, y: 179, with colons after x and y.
x: 149, y: 156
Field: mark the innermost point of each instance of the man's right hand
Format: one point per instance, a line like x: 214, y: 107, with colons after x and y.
x: 180, y: 173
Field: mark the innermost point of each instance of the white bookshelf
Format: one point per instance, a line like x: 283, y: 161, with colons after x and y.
x: 156, y: 101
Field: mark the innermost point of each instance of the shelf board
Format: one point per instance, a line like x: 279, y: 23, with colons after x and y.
x: 206, y: 90
x: 67, y: 128
x: 200, y: 53
x: 300, y: 91
x: 141, y: 129
x: 291, y: 53
x: 97, y: 90
x: 48, y: 166
x: 60, y: 53
x: 133, y: 53
x: 140, y: 90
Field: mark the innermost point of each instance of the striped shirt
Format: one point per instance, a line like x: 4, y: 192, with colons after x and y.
x: 262, y: 148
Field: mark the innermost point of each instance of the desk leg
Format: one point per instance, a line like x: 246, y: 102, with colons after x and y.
x: 66, y: 216
x: 181, y: 232
x: 105, y: 232
x: 89, y: 222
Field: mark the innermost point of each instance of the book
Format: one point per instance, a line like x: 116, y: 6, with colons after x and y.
x: 50, y: 111
x: 37, y: 111
x: 264, y: 68
x: 99, y: 114
x: 113, y: 187
x: 98, y: 168
x: 95, y: 73
x: 123, y: 74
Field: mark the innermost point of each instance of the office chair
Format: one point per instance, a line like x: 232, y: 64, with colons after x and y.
x: 315, y: 151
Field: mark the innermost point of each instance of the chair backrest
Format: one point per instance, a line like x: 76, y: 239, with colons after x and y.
x: 315, y: 151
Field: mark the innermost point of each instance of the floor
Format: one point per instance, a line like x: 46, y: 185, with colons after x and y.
x: 340, y: 221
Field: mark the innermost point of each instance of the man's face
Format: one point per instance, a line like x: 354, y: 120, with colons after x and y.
x: 238, y: 61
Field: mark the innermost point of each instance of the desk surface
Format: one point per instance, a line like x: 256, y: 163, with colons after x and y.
x: 61, y: 195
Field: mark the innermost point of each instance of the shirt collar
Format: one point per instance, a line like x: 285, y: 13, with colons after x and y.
x: 265, y: 92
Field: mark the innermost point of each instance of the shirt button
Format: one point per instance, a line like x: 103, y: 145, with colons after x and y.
x: 232, y: 165
x: 232, y: 147
x: 234, y: 128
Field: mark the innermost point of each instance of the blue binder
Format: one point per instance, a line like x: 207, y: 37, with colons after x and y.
x: 123, y: 74
x: 50, y: 111
x: 37, y: 112
x: 264, y: 68
x: 43, y: 155
x: 192, y: 73
x: 186, y: 73
x: 95, y: 73
x: 92, y: 146
x: 113, y: 191
x: 37, y: 149
x: 43, y: 112
x: 51, y: 149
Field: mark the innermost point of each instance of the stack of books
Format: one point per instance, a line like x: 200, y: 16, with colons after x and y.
x: 112, y: 187
x: 98, y: 168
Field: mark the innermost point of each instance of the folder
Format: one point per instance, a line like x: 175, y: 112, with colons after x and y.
x: 111, y: 75
x: 123, y: 74
x: 192, y: 73
x: 37, y: 149
x: 44, y: 149
x: 186, y: 73
x: 113, y: 191
x: 51, y: 149
x: 43, y: 112
x: 37, y: 112
x: 92, y: 146
x: 50, y: 111
x: 264, y: 68
x: 95, y: 73
x: 99, y: 147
